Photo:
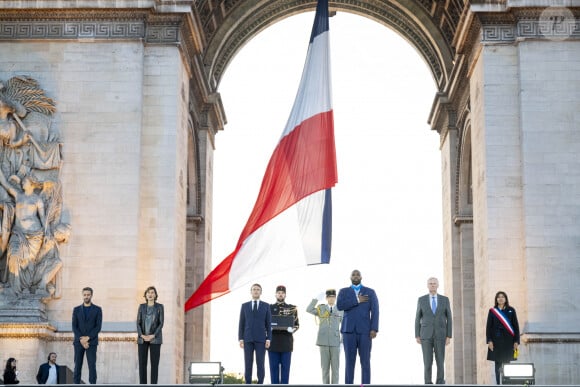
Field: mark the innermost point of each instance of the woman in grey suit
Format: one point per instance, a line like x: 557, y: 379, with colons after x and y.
x: 150, y: 338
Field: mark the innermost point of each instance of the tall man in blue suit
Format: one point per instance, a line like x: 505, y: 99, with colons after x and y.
x: 255, y: 333
x: 360, y: 325
x: 86, y: 325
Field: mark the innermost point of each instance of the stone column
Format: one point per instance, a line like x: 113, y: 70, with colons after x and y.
x: 458, y: 265
x: 497, y: 187
x: 550, y: 141
x: 450, y: 243
x: 525, y: 85
x: 464, y: 335
x: 162, y: 196
x: 198, y: 320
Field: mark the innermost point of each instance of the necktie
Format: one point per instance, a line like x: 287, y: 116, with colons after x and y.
x: 255, y: 307
x: 331, y: 310
x: 433, y: 304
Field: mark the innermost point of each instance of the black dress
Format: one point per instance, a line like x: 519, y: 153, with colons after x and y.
x: 10, y: 376
x: 503, y: 341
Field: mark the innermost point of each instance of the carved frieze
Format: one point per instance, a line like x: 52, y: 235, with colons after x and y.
x: 69, y: 29
x: 551, y: 23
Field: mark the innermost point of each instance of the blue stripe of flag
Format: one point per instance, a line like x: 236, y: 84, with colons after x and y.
x: 320, y: 19
x: 326, y: 228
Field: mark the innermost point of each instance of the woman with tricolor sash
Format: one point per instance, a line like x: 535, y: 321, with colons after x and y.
x: 502, y: 332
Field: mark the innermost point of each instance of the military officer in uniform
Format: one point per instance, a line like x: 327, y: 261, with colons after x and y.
x: 328, y: 339
x: 280, y: 351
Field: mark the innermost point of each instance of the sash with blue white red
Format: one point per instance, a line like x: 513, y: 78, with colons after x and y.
x: 504, y: 321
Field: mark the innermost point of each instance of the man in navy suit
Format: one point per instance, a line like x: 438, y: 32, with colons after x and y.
x: 360, y: 325
x: 86, y: 325
x: 255, y: 333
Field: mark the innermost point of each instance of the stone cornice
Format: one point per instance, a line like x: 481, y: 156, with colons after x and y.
x: 92, y: 24
x: 551, y: 337
x: 145, y: 25
x: 39, y: 327
x: 49, y: 332
x: 462, y: 219
x: 552, y: 23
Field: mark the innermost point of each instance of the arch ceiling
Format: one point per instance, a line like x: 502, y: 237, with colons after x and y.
x: 428, y: 25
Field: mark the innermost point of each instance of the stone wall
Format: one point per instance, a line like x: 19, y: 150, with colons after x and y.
x: 122, y: 112
x: 550, y: 145
x: 525, y: 143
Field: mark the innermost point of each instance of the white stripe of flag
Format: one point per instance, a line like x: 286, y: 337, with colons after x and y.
x: 291, y: 223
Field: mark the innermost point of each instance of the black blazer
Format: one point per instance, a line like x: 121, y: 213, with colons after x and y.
x: 156, y: 326
x: 494, y: 328
x: 255, y: 326
x: 10, y: 376
x: 42, y: 375
x: 87, y: 326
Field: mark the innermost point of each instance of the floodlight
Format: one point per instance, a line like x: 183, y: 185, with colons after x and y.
x: 518, y: 373
x: 205, y: 373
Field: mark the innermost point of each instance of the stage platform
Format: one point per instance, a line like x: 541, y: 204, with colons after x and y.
x: 305, y: 385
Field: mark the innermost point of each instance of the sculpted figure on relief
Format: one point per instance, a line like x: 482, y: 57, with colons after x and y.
x: 31, y: 219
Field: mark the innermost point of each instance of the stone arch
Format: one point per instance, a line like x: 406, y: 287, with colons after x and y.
x: 464, y: 266
x: 425, y: 24
x: 497, y: 52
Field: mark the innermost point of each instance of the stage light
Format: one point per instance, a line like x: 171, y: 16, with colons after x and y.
x: 206, y: 373
x: 518, y: 373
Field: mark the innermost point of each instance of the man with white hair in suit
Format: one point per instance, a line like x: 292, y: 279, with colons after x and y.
x: 433, y: 328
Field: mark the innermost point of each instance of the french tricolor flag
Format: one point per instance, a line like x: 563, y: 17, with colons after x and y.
x: 291, y: 223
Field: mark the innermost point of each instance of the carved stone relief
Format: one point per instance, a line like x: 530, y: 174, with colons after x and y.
x: 32, y: 225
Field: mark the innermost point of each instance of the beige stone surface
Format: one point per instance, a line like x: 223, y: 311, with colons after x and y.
x: 139, y: 107
x: 124, y: 152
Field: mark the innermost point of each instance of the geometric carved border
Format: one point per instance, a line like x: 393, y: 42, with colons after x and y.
x: 549, y: 29
x: 547, y: 24
x: 498, y: 33
x: 70, y: 29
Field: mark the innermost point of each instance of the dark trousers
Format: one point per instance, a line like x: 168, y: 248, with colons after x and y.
x: 430, y: 346
x: 497, y: 371
x: 353, y: 343
x: 154, y: 350
x: 251, y: 347
x: 91, y: 362
x: 279, y: 367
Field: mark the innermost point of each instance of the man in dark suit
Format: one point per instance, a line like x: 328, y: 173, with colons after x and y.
x: 255, y: 333
x: 86, y: 325
x: 360, y: 325
x: 433, y: 328
x: 48, y: 372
